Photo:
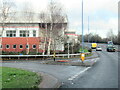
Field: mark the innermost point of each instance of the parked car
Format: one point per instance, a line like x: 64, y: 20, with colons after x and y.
x: 98, y: 49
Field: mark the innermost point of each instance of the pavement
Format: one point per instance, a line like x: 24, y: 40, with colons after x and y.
x: 48, y: 80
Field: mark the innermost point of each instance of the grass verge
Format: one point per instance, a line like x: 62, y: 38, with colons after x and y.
x: 85, y: 50
x: 17, y: 78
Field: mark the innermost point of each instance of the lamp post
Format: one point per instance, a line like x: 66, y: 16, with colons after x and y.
x: 68, y: 48
x: 82, y: 30
x: 88, y: 29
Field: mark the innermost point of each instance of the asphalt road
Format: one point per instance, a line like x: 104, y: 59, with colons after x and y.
x: 104, y: 74
x: 61, y: 72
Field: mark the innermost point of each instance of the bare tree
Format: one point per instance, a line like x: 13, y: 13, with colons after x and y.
x: 44, y: 30
x: 110, y: 35
x: 7, y: 12
x: 28, y: 14
x: 57, y: 18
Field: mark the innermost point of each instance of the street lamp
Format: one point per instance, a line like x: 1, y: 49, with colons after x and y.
x: 82, y: 30
x: 88, y: 29
x: 68, y: 42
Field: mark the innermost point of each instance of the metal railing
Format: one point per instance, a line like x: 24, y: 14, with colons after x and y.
x: 42, y: 55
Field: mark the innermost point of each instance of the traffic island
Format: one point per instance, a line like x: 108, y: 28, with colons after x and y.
x: 86, y: 63
x: 89, y: 61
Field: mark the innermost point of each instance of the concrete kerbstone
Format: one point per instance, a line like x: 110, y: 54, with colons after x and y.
x: 49, y: 81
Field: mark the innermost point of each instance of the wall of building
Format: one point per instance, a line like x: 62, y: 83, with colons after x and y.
x: 32, y: 42
x: 21, y: 27
x: 25, y: 39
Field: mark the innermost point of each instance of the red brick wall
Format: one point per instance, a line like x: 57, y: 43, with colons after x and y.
x: 20, y: 41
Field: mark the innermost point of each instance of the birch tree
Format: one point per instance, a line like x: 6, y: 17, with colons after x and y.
x: 57, y: 27
x: 44, y: 31
x: 7, y: 12
x: 28, y: 14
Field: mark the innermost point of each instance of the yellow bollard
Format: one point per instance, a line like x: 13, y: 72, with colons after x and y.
x: 54, y: 54
x: 82, y: 56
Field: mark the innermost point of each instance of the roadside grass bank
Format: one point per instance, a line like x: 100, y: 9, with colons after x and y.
x: 85, y: 50
x: 17, y: 78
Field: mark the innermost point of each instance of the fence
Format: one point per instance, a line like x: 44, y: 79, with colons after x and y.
x: 57, y: 55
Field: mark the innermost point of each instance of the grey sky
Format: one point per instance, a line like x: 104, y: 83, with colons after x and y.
x: 103, y: 14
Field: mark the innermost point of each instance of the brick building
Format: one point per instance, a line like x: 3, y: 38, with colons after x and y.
x: 19, y: 37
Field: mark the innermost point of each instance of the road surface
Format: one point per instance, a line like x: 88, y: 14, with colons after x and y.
x: 104, y: 74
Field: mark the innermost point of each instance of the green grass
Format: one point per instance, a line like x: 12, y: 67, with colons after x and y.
x: 85, y: 50
x: 0, y: 78
x: 17, y: 78
x: 89, y: 55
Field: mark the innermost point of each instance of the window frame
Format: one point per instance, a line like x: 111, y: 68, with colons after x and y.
x: 35, y: 46
x: 15, y: 45
x: 8, y: 47
x: 21, y: 45
x: 24, y: 33
x: 10, y: 33
x: 27, y: 47
x: 34, y: 33
x: 0, y: 46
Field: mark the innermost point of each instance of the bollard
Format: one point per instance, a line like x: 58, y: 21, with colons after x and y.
x: 54, y: 56
x: 82, y: 56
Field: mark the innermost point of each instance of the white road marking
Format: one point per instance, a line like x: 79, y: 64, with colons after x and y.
x: 95, y: 59
x: 73, y: 77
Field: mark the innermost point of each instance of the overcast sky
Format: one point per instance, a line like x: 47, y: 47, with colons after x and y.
x: 103, y: 14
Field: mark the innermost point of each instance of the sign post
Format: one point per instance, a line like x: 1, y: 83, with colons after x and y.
x: 54, y: 55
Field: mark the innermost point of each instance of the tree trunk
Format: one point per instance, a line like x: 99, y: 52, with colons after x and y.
x: 49, y: 45
x: 48, y: 52
x: 44, y: 47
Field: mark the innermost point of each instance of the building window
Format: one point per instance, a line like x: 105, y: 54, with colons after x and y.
x: 34, y: 33
x: 27, y: 46
x: 0, y: 46
x: 11, y: 33
x: 24, y: 33
x: 7, y: 46
x: 21, y: 46
x: 14, y: 46
x: 34, y: 46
